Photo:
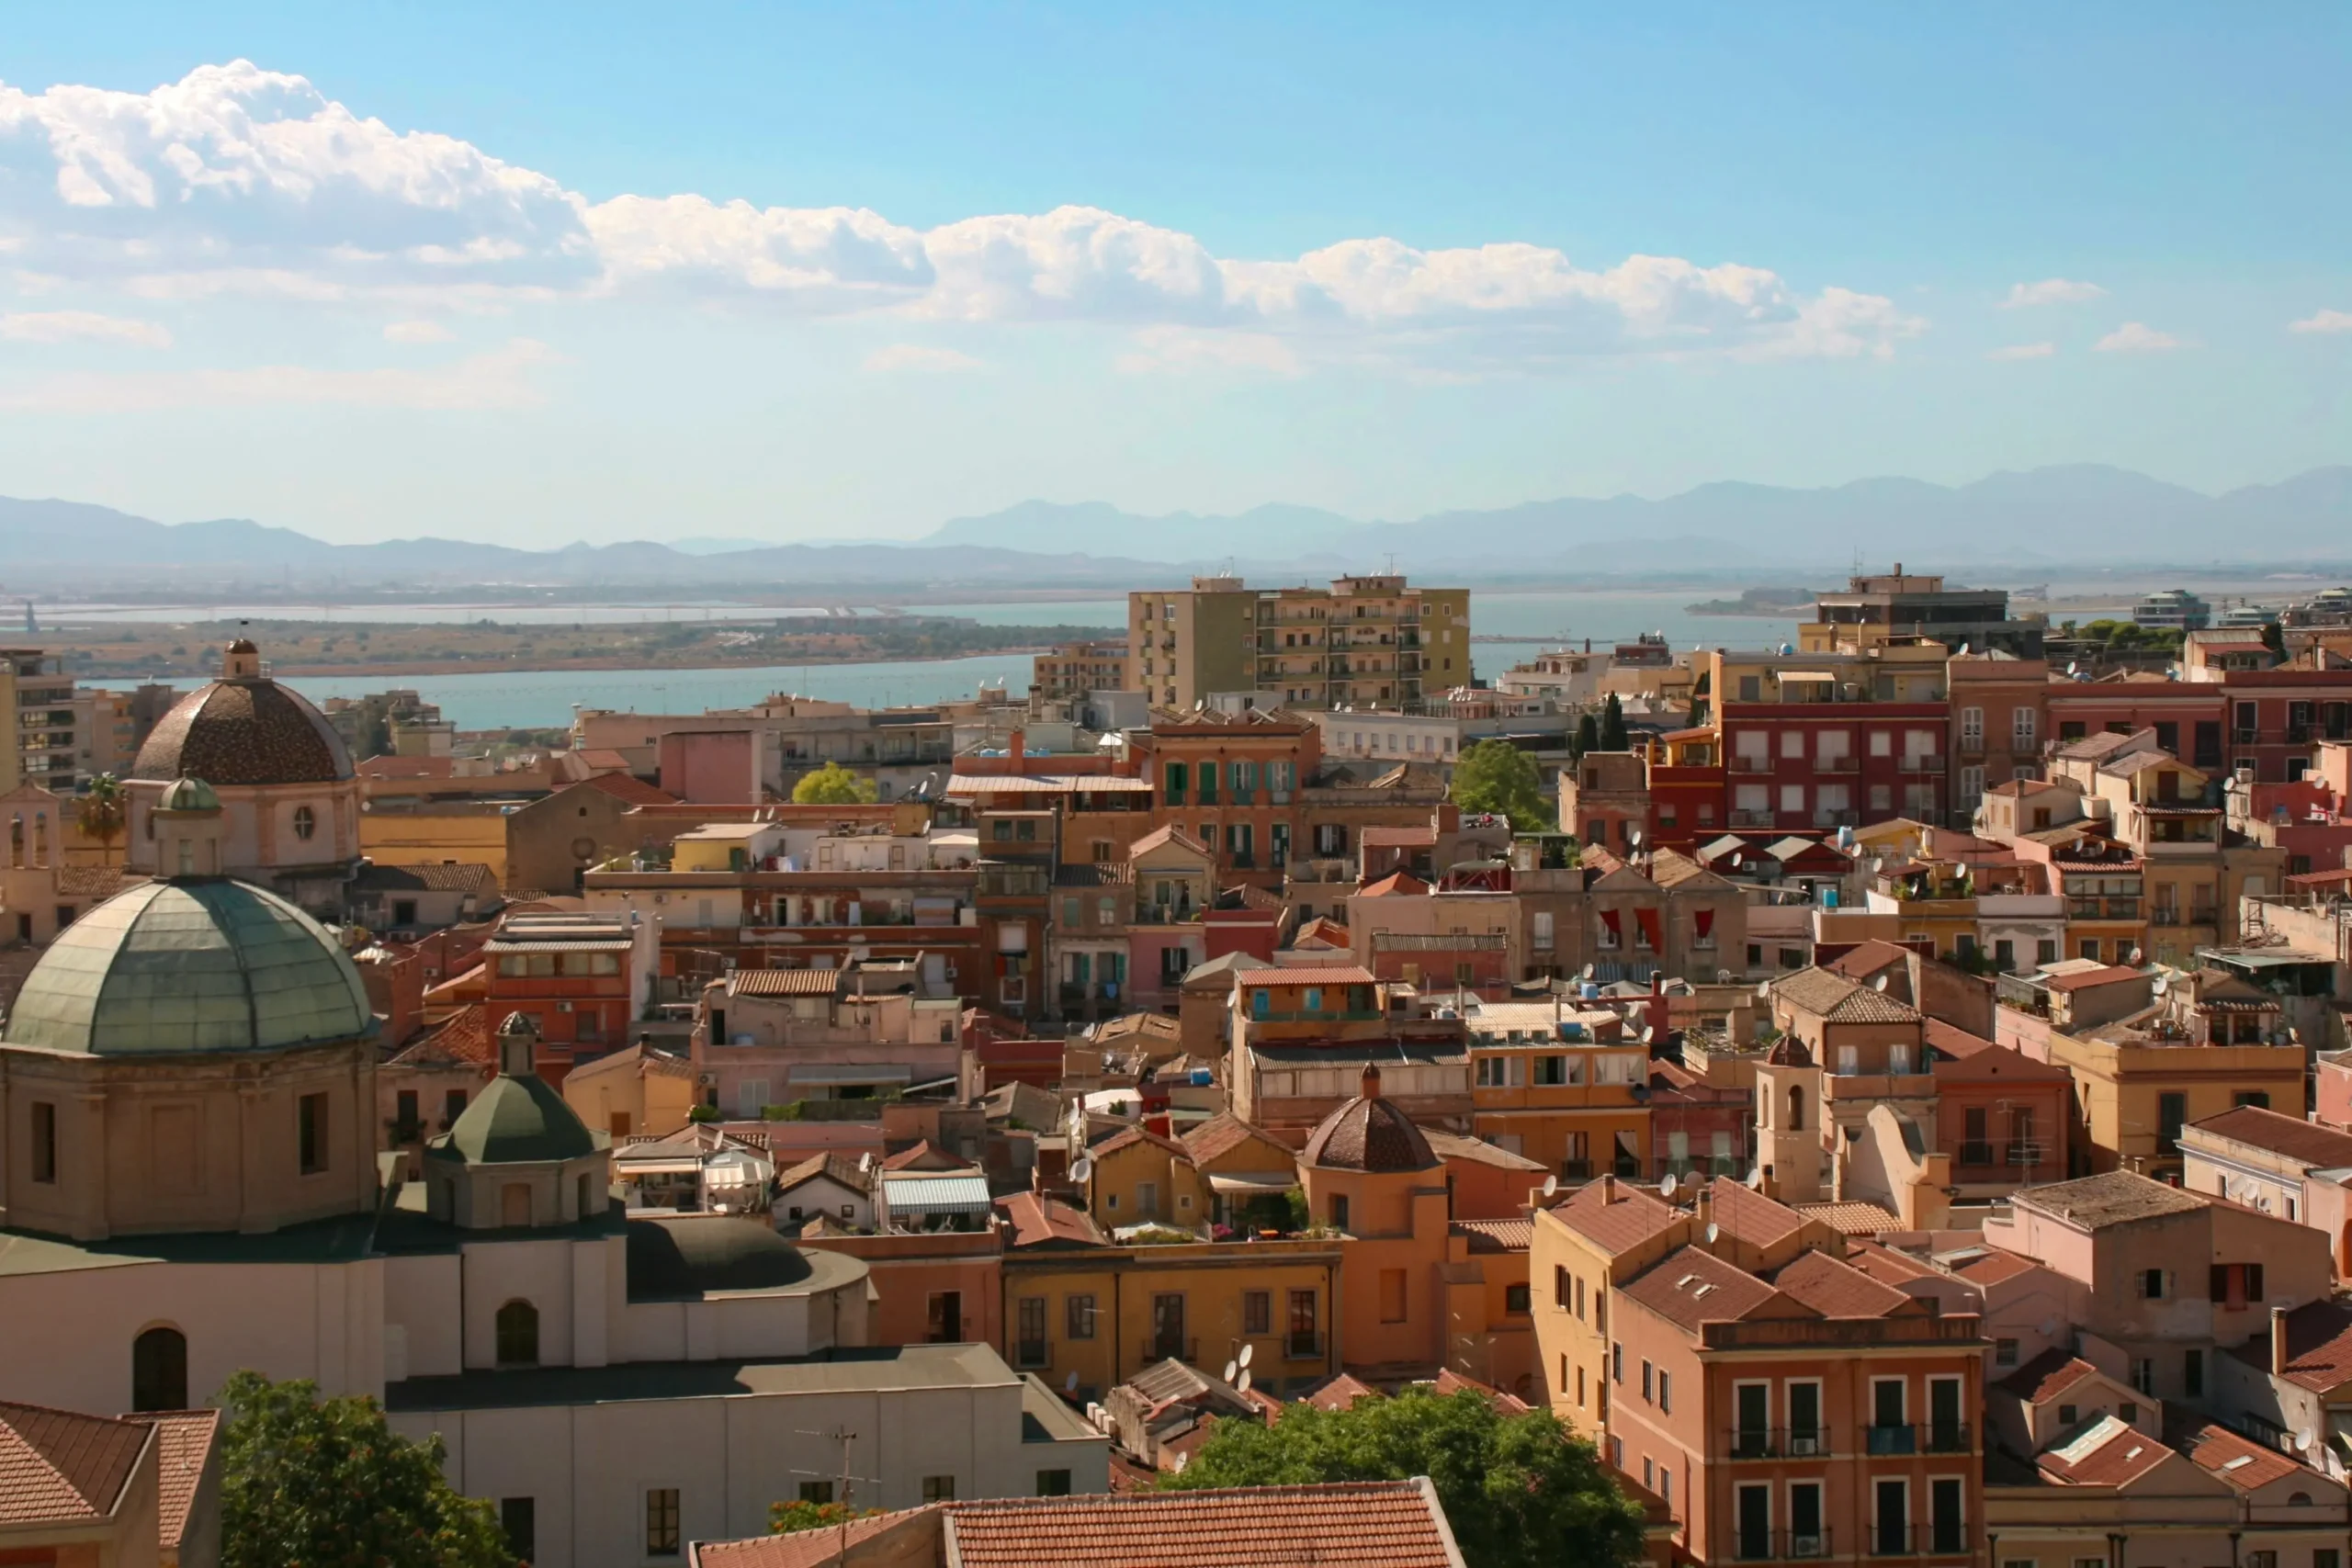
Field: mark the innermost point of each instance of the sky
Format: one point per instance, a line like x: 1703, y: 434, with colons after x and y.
x: 545, y: 273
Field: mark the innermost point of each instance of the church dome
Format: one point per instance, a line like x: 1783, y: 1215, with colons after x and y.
x: 190, y: 794
x: 1368, y: 1134
x: 518, y: 1119
x: 244, y: 728
x: 174, y: 967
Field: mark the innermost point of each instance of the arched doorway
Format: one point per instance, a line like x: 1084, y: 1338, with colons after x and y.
x: 518, y: 1334
x: 159, y: 1370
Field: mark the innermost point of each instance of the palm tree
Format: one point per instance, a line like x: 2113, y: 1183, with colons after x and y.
x: 101, y: 814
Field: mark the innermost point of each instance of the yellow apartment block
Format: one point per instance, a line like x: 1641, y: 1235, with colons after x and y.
x: 1583, y: 1248
x: 2134, y: 1099
x: 465, y: 833
x: 1101, y: 1314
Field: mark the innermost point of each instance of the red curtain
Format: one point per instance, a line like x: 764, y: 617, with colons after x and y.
x: 1649, y: 924
x: 1616, y: 931
x: 1703, y: 922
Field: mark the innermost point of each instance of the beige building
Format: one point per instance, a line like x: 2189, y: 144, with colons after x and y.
x: 1372, y: 641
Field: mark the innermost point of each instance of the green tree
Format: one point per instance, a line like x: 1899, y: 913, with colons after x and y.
x: 832, y: 785
x: 1612, y: 725
x: 2273, y: 638
x: 1587, y: 736
x: 326, y: 1483
x: 99, y: 814
x: 1519, y: 1491
x: 790, y: 1518
x: 1495, y: 775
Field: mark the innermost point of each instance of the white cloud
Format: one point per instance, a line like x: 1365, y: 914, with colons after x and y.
x: 416, y: 331
x: 918, y: 357
x: 1178, y: 349
x: 2136, y: 338
x: 496, y: 379
x: 2324, y: 322
x: 2024, y: 351
x: 238, y: 180
x: 64, y: 327
x: 2051, y: 291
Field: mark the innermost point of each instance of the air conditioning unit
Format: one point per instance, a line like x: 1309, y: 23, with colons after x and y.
x: 563, y: 1007
x: 1804, y: 1447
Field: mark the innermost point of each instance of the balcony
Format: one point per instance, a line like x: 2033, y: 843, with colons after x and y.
x: 1846, y: 764
x: 1777, y: 1443
x: 1933, y: 1438
x: 1751, y: 819
x: 1779, y: 1546
x: 1975, y: 1152
x: 1891, y: 1539
x: 1923, y: 762
x: 1751, y: 764
x: 1971, y: 745
x: 2246, y: 736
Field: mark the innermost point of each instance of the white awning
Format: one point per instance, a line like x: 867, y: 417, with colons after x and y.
x: 1252, y: 1183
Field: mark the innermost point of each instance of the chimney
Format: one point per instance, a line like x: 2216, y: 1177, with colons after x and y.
x: 1018, y: 750
x: 1372, y: 1080
x: 2277, y: 1342
x: 1704, y: 1208
x: 1609, y: 1187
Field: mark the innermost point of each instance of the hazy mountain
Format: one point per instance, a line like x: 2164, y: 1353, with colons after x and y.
x: 2078, y: 515
x: 2082, y: 513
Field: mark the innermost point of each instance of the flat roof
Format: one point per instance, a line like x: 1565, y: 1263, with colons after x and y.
x: 870, y: 1370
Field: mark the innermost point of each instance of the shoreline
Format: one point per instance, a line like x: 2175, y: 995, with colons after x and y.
x: 407, y: 668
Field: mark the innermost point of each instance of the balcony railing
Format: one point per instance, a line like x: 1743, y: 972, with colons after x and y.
x: 1751, y: 819
x: 1976, y: 1151
x: 1888, y: 1539
x: 1932, y: 1437
x: 1779, y: 1546
x: 1846, y: 764
x: 1778, y: 1442
x: 1923, y: 764
x: 1751, y: 764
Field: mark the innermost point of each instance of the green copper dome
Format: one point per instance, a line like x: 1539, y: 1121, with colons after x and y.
x: 515, y: 1120
x: 175, y: 967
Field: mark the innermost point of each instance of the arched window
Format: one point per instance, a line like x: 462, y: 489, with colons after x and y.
x: 1796, y: 1108
x: 518, y: 1334
x: 158, y: 1371
x: 306, y: 822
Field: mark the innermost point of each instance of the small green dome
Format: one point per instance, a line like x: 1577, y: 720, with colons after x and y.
x: 189, y: 794
x: 174, y: 967
x: 517, y: 1121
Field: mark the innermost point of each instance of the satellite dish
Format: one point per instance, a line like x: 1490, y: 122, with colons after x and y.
x: 1755, y: 1180
x: 1963, y: 650
x: 1879, y: 983
x: 1232, y: 1368
x: 2136, y: 957
x: 1081, y: 1169
x: 1243, y: 1386
x: 1070, y: 1383
x: 2073, y: 667
x: 1635, y: 838
x: 1666, y: 1186
x: 1248, y: 1354
x: 1588, y: 971
x: 1736, y: 858
x: 2163, y: 984
x: 1646, y: 1032
x: 1551, y: 1185
x: 1713, y: 1230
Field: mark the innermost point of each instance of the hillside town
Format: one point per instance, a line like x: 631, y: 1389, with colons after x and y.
x: 1889, y: 1093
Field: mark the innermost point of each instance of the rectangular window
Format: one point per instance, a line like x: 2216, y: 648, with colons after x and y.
x: 1752, y: 1414
x: 310, y: 1132
x: 1168, y: 1327
x: 1563, y: 1292
x: 44, y: 1150
x: 518, y: 1520
x: 1665, y: 1390
x: 939, y: 1489
x: 1805, y: 1532
x: 1805, y: 1420
x: 817, y: 1492
x: 1176, y: 776
x: 1752, y: 1517
x: 2005, y: 1352
x: 1053, y: 1484
x: 1892, y: 1529
x: 1257, y: 1312
x: 1648, y: 1380
x: 2172, y: 1114
x: 1944, y: 1515
x: 1030, y: 1347
x: 1078, y: 1317
x: 1516, y: 1299
x: 1617, y: 1363
x: 1304, y: 1337
x: 661, y: 1522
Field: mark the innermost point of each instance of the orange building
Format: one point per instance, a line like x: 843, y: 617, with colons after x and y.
x: 1369, y: 1175
x: 1233, y: 781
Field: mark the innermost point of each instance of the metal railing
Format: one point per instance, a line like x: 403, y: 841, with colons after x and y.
x: 1945, y: 1538
x: 1780, y: 1545
x: 1778, y: 1442
x: 1928, y: 1438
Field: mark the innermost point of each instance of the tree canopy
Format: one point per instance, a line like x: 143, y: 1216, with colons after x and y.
x: 1495, y: 775
x: 832, y: 785
x: 791, y: 1518
x: 1612, y: 725
x: 1587, y: 736
x: 328, y: 1485
x: 1520, y: 1491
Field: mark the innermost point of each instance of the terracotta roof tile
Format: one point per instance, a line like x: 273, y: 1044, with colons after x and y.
x: 2319, y: 1346
x: 1974, y: 1056
x: 1042, y: 1222
x: 2112, y: 1198
x: 185, y: 1439
x: 1397, y: 884
x: 1835, y: 1289
x: 840, y: 1168
x: 817, y: 1548
x: 1852, y: 1217
x: 1616, y: 1216
x: 2107, y: 975
x: 1451, y: 1382
x: 1340, y: 1392
x: 784, y: 982
x: 1312, y: 975
x: 2307, y: 1143
x: 1835, y: 997
x: 2109, y: 1454
x: 1997, y: 1265
x: 464, y: 1036
x: 1688, y: 1287
x: 61, y: 1464
x: 2244, y: 1465
x: 96, y: 881
x: 1869, y: 959
x: 1369, y: 1524
x: 2047, y: 1376
x: 1220, y: 1136
x: 628, y: 789
x: 1740, y: 1210
x: 1497, y: 1236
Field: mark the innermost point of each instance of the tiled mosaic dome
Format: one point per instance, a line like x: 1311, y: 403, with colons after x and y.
x: 245, y: 731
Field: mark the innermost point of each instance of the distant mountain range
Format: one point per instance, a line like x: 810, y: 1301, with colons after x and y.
x: 2051, y: 516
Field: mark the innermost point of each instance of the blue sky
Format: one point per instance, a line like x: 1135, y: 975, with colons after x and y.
x: 434, y: 269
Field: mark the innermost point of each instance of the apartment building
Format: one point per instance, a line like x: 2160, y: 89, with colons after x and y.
x: 1999, y: 720
x: 1830, y: 739
x: 1562, y: 1087
x: 1366, y: 642
x: 1232, y: 781
x: 44, y: 743
x: 1896, y: 606
x: 1074, y: 669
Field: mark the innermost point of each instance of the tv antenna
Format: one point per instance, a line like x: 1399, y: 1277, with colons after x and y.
x: 841, y: 1480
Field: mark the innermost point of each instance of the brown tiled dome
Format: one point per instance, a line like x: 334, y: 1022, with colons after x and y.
x: 251, y: 731
x: 1369, y: 1133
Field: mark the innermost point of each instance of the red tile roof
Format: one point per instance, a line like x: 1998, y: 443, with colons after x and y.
x: 1339, y: 1392
x: 1748, y: 1215
x: 1497, y: 1236
x: 2319, y: 1346
x: 784, y: 982
x: 464, y: 1036
x: 1835, y: 1289
x: 1043, y: 1222
x: 1688, y: 1287
x: 2306, y: 1143
x: 61, y: 1464
x: 1368, y: 1524
x: 1852, y: 1217
x: 924, y: 1155
x: 1223, y: 1134
x: 1451, y: 1382
x: 2109, y: 1454
x: 1869, y: 958
x: 1401, y: 883
x: 1313, y: 974
x: 1998, y: 1265
x: 185, y: 1439
x: 1616, y: 1216
x: 628, y: 789
x: 2047, y: 1376
x: 1974, y: 1056
x: 2105, y: 977
x: 2247, y: 1465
